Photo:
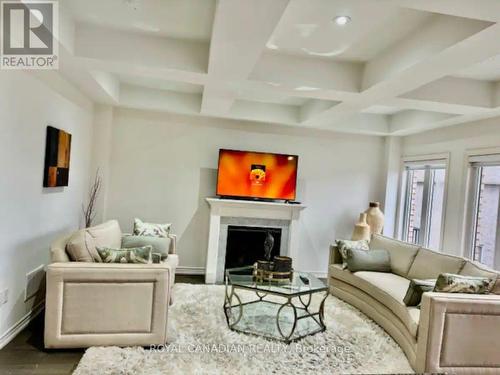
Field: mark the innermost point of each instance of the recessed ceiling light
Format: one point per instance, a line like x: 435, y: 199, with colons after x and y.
x: 342, y: 20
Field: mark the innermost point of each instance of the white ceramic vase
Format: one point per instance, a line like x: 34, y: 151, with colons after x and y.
x: 361, y: 229
x: 375, y: 218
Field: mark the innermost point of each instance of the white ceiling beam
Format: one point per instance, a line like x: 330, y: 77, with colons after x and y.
x: 439, y: 34
x: 432, y: 106
x: 450, y: 121
x: 69, y: 68
x: 240, y: 32
x: 266, y: 112
x: 362, y: 123
x: 139, y: 50
x: 305, y: 73
x: 108, y: 83
x: 487, y: 10
x: 151, y: 72
x: 416, y: 70
x: 132, y: 96
x: 313, y: 106
x: 138, y: 97
x: 462, y: 91
x: 406, y: 121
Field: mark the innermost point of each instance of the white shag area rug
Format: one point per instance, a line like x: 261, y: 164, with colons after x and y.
x: 201, y: 343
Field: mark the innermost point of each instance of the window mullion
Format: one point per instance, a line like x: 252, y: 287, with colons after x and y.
x: 475, y: 209
x: 424, y: 224
x: 496, y: 258
x: 407, y: 203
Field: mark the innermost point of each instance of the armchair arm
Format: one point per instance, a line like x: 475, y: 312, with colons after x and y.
x: 459, y: 333
x: 91, y: 304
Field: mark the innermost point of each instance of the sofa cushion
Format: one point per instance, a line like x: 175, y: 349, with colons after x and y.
x: 107, y: 234
x: 387, y: 288
x: 474, y: 269
x: 430, y: 264
x: 372, y: 260
x: 81, y: 247
x: 402, y: 253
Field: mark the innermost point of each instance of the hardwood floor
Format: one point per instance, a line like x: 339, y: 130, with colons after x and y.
x: 25, y: 355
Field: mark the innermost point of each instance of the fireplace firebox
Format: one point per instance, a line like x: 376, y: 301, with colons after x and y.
x: 245, y: 244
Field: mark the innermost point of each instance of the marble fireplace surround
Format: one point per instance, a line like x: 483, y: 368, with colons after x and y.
x: 225, y: 212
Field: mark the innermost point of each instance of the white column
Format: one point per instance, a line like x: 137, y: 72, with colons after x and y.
x: 293, y: 237
x: 392, y: 182
x: 101, y: 155
x: 213, y: 246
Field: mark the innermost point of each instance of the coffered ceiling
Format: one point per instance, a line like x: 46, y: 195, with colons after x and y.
x: 398, y: 67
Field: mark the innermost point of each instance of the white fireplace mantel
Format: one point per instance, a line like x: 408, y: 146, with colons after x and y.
x: 248, y: 209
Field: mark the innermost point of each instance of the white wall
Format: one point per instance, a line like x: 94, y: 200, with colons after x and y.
x: 163, y: 166
x: 456, y: 141
x: 31, y: 216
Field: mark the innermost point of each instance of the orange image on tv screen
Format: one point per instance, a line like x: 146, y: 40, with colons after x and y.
x: 257, y: 175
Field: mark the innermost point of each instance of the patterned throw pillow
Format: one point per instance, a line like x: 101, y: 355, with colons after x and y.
x: 150, y: 229
x: 415, y: 290
x: 156, y: 257
x: 451, y: 283
x: 160, y: 245
x: 132, y: 255
x: 344, y: 245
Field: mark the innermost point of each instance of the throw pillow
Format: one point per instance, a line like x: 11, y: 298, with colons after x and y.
x: 159, y: 244
x: 156, y: 258
x: 150, y: 229
x: 372, y: 260
x: 81, y: 247
x: 344, y: 245
x: 451, y: 283
x: 415, y: 290
x: 134, y: 255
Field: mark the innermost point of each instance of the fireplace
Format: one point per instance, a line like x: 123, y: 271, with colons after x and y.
x: 246, y: 244
x: 225, y: 213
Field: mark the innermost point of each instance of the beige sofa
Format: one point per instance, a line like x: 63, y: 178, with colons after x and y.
x: 452, y: 333
x: 90, y: 304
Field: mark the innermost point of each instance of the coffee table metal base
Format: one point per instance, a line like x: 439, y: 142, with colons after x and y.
x: 253, y: 317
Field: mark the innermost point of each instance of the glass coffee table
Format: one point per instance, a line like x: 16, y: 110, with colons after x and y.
x: 279, y: 310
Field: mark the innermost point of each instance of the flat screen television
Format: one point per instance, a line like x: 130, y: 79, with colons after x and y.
x: 257, y: 175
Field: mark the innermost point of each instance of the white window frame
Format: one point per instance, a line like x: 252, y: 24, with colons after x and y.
x: 430, y: 160
x: 482, y: 156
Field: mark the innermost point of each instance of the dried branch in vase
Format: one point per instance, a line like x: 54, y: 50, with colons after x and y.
x: 89, y: 210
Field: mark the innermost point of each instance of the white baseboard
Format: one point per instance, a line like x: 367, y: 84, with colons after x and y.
x: 190, y: 270
x: 20, y: 325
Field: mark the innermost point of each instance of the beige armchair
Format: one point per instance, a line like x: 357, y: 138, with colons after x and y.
x: 92, y: 303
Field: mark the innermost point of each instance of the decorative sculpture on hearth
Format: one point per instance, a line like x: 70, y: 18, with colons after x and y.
x: 268, y: 246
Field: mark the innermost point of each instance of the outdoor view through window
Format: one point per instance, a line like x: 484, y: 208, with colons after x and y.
x: 486, y: 233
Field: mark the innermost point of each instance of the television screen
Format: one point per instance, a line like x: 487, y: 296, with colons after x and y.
x: 257, y: 175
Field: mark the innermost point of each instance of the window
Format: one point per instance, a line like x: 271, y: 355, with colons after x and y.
x: 423, y: 202
x: 484, y: 203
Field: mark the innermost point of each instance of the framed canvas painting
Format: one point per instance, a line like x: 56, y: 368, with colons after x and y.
x: 57, y: 155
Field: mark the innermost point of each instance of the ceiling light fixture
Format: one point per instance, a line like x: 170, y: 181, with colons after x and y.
x: 342, y: 20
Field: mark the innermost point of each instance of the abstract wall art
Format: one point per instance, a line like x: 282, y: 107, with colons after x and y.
x: 57, y: 155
